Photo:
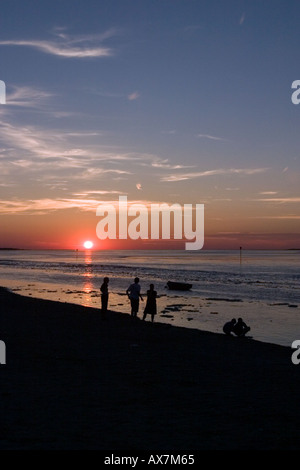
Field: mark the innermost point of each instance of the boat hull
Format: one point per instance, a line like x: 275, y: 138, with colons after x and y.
x: 179, y: 285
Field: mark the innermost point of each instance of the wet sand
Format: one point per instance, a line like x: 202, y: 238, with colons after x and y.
x: 274, y: 322
x: 75, y: 381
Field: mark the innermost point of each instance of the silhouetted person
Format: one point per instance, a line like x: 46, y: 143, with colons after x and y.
x: 229, y: 326
x: 151, y: 303
x: 240, y: 328
x: 104, y: 296
x: 134, y: 294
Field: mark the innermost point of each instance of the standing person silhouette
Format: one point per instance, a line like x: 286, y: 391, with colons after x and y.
x: 134, y: 294
x: 151, y: 303
x: 104, y: 297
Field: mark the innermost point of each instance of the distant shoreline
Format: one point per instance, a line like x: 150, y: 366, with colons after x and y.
x: 144, y: 249
x: 12, y: 249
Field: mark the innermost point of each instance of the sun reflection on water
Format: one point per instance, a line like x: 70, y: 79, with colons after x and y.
x: 88, y: 275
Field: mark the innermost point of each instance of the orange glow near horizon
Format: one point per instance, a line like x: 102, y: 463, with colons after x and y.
x: 226, y: 227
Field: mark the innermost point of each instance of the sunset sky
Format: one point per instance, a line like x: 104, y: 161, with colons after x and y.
x: 176, y: 101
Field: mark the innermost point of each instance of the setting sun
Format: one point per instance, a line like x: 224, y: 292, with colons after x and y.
x: 88, y: 245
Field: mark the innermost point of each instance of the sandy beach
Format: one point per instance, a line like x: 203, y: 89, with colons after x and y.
x: 75, y: 381
x: 270, y: 322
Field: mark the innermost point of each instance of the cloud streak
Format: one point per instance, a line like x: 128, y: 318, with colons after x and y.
x: 242, y: 19
x: 43, y: 206
x: 164, y: 164
x: 266, y: 193
x: 32, y: 141
x: 133, y: 96
x: 66, y: 46
x: 26, y: 97
x: 279, y: 200
x: 46, y: 205
x: 279, y: 217
x: 219, y: 171
x: 209, y: 137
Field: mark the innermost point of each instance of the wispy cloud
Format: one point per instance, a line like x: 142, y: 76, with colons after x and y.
x: 46, y: 205
x: 94, y: 173
x: 279, y: 217
x: 83, y: 134
x: 67, y: 46
x: 30, y: 98
x: 63, y: 114
x: 266, y: 193
x: 26, y: 96
x: 99, y: 193
x: 133, y: 96
x: 107, y: 94
x: 171, y: 132
x: 242, y: 19
x: 48, y: 155
x: 52, y: 143
x: 43, y: 206
x: 220, y: 171
x: 164, y: 164
x: 279, y: 200
x: 208, y: 136
x: 42, y: 146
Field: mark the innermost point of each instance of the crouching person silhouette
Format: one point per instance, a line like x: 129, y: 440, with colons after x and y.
x: 228, y: 327
x: 240, y: 328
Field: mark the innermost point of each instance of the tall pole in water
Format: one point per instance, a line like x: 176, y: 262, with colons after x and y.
x: 240, y: 255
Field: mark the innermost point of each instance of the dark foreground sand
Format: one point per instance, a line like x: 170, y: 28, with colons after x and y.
x: 74, y: 381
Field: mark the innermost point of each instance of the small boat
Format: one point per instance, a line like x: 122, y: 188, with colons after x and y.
x: 179, y: 285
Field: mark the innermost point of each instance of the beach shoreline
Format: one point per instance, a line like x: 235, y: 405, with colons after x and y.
x: 263, y: 290
x: 268, y: 321
x: 75, y: 381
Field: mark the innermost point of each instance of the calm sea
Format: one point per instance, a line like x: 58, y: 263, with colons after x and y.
x: 248, y: 278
